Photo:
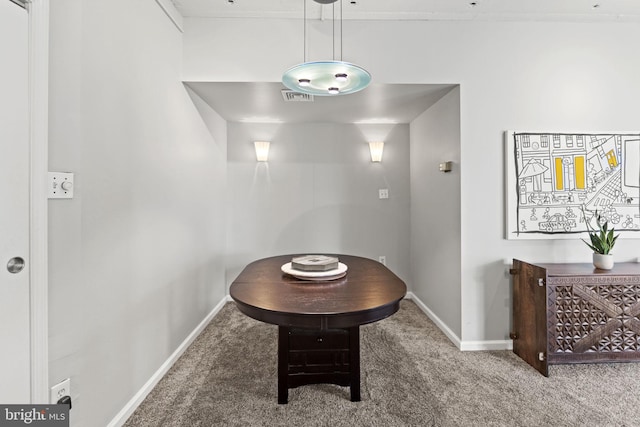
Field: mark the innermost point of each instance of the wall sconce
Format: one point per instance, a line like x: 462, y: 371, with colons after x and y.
x: 376, y: 151
x: 262, y: 150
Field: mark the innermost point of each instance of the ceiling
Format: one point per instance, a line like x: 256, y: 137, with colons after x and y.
x: 379, y: 103
x: 547, y: 10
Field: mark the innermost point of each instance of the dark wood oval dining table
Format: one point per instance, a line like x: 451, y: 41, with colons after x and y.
x: 318, y: 320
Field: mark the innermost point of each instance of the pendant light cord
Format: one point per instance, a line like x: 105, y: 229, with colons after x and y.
x: 333, y: 30
x: 341, y: 21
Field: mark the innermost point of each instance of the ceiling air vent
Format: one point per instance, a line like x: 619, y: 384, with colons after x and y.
x: 293, y: 96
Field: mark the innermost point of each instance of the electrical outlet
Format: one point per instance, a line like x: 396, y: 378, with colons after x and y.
x: 383, y: 193
x: 382, y: 259
x: 60, y: 390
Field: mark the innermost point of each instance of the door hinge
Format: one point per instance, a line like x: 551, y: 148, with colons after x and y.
x: 513, y: 335
x: 513, y: 271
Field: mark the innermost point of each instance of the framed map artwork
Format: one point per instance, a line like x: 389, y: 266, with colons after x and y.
x: 557, y: 181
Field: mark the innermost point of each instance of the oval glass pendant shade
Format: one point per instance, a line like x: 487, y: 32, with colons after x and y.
x: 326, y: 78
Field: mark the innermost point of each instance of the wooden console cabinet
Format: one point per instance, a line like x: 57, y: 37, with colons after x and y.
x: 575, y: 313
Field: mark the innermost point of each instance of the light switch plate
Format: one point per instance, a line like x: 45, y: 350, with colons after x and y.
x: 60, y: 185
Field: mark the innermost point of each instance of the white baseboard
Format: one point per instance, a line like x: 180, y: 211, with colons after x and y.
x: 486, y: 345
x: 439, y: 323
x: 462, y: 345
x: 137, y: 399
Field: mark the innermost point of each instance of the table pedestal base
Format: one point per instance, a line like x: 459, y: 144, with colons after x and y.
x: 315, y: 356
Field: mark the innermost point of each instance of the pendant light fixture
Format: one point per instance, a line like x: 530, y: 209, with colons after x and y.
x: 326, y: 78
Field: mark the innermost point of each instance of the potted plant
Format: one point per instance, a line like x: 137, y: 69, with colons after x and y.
x: 602, y: 242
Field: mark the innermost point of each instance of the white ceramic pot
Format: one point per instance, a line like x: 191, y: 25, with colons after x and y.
x: 603, y: 262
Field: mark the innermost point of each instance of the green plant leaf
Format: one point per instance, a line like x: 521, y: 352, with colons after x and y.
x: 602, y: 239
x: 590, y: 245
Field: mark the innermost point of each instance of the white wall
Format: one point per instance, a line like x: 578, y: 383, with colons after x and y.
x: 524, y: 76
x: 136, y: 257
x: 318, y: 193
x: 435, y: 210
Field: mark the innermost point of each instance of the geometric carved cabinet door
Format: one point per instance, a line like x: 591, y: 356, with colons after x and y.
x: 591, y: 315
x: 595, y: 318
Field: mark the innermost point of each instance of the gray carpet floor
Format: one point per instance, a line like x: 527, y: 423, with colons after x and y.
x: 412, y: 375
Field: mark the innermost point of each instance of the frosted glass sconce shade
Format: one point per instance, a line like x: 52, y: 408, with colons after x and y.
x: 262, y: 150
x: 376, y: 151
